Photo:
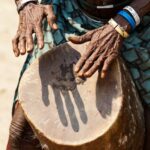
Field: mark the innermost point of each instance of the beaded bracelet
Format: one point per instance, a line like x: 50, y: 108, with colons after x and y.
x: 129, y: 18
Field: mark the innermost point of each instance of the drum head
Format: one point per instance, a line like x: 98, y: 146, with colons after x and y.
x: 65, y: 109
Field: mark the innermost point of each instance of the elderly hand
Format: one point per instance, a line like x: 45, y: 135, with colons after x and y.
x: 31, y: 17
x: 103, y: 48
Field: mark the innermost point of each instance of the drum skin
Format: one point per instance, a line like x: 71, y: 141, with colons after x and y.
x: 71, y: 113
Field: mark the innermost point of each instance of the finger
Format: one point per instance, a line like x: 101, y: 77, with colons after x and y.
x: 39, y: 35
x: 51, y: 21
x: 85, y: 67
x: 22, y: 45
x: 84, y: 57
x: 103, y: 46
x: 108, y: 51
x: 15, y: 42
x: 95, y: 66
x: 107, y: 64
x: 89, y: 62
x: 83, y: 38
x: 51, y: 18
x: 29, y: 39
x: 110, y: 59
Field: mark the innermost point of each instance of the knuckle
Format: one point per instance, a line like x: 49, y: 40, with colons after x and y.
x: 29, y: 26
x: 29, y: 42
x: 21, y: 39
x: 89, y: 74
x: 40, y: 37
x: 80, y: 38
x: 89, y: 61
x: 14, y: 50
x: 52, y: 17
x: 96, y: 63
x: 13, y: 41
x: 82, y: 59
x: 28, y: 35
x: 49, y: 7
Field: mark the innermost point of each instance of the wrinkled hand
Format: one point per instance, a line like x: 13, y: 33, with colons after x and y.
x: 103, y: 48
x: 31, y: 18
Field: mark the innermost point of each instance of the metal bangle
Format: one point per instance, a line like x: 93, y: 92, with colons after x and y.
x: 118, y: 28
x: 22, y: 3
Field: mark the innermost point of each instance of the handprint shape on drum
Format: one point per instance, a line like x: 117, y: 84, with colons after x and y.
x: 59, y: 76
x: 58, y: 79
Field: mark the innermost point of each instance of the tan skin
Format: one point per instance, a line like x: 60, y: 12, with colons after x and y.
x: 31, y: 21
x: 102, y: 50
x: 98, y: 53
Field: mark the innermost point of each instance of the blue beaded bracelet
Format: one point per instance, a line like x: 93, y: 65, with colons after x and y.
x: 129, y: 18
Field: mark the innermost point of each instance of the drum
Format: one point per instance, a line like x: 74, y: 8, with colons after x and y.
x: 71, y: 113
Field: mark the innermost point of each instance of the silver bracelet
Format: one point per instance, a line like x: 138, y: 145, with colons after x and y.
x: 22, y: 3
x: 134, y: 14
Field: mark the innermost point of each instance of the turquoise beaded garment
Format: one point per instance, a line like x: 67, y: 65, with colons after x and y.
x: 71, y: 21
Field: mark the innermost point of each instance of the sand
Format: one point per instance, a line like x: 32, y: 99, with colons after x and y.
x: 9, y: 66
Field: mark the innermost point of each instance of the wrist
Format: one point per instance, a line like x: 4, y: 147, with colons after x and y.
x: 118, y: 28
x: 128, y: 18
x: 123, y: 23
x: 22, y: 3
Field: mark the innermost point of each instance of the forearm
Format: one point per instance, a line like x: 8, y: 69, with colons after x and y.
x: 142, y: 7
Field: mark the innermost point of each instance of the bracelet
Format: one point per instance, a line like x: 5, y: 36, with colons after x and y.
x: 127, y: 17
x: 118, y: 28
x: 22, y: 3
x: 134, y: 14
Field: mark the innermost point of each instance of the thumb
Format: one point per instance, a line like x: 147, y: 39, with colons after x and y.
x: 83, y: 38
x: 51, y: 18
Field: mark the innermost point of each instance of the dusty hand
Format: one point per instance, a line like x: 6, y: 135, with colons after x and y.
x: 103, y: 48
x: 31, y: 18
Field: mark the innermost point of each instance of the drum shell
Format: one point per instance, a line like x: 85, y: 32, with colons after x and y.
x: 127, y: 132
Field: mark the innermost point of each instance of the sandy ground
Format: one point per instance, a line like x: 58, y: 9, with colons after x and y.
x: 9, y: 66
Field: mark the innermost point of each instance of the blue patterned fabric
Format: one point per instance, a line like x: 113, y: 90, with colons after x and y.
x: 71, y: 20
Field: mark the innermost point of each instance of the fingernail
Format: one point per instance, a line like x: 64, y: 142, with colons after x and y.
x: 22, y: 51
x: 69, y: 38
x: 40, y: 46
x: 86, y: 74
x: 80, y: 73
x: 55, y: 26
x: 102, y: 75
x: 72, y: 38
x: 16, y: 54
x: 28, y: 48
x: 76, y: 69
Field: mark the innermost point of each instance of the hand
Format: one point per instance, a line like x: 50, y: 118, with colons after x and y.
x: 103, y: 48
x: 31, y: 18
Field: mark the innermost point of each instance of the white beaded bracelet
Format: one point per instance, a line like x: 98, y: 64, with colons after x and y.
x: 134, y: 14
x: 22, y: 3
